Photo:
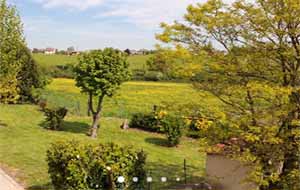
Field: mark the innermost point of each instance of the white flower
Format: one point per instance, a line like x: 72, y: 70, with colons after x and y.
x: 149, y: 179
x: 78, y: 157
x: 108, y: 168
x: 178, y: 179
x: 163, y: 179
x: 121, y: 179
x: 135, y: 179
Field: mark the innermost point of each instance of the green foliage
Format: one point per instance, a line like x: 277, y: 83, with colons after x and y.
x: 145, y: 121
x: 19, y: 74
x: 256, y: 75
x: 138, y: 74
x: 24, y: 136
x: 73, y: 165
x: 174, y: 64
x: 173, y: 128
x: 63, y: 71
x: 153, y: 76
x: 59, y: 66
x: 139, y: 170
x: 101, y: 72
x: 54, y: 116
x: 12, y: 42
x: 30, y: 77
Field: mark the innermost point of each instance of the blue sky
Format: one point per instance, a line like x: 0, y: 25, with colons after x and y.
x: 91, y: 24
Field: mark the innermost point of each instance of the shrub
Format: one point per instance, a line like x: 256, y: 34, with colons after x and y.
x: 172, y: 127
x: 61, y: 71
x: 198, y: 126
x: 154, y: 76
x: 76, y: 166
x: 54, y: 117
x: 138, y: 74
x: 147, y: 122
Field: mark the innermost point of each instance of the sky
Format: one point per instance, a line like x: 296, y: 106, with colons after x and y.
x: 93, y: 24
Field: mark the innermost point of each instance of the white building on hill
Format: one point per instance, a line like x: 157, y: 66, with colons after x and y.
x: 50, y: 51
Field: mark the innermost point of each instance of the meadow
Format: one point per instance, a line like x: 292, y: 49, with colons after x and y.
x: 46, y: 61
x: 24, y: 141
x: 133, y: 97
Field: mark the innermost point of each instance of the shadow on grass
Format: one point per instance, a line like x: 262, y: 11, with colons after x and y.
x: 71, y: 127
x: 176, y: 176
x: 157, y: 141
x: 47, y: 186
x: 159, y: 169
x: 2, y: 124
x: 75, y: 127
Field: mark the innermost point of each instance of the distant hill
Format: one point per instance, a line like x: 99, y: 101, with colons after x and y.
x: 136, y: 61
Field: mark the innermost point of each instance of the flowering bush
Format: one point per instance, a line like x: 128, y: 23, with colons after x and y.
x: 76, y: 166
x: 197, y: 126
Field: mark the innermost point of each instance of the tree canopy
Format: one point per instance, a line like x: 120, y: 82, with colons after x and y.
x: 18, y: 71
x: 100, y: 73
x: 252, y: 65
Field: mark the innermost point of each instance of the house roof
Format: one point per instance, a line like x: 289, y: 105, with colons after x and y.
x: 50, y: 49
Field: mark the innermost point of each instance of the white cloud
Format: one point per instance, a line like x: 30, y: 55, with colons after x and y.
x: 118, y: 23
x: 148, y: 12
x: 70, y: 4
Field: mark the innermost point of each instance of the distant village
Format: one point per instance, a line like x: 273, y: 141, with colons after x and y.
x: 72, y: 51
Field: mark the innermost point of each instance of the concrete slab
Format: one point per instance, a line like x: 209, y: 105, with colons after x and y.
x: 7, y: 183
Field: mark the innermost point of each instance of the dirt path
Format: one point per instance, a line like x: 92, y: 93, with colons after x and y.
x: 7, y: 183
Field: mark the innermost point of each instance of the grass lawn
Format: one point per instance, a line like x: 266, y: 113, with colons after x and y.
x: 136, y: 61
x: 23, y: 141
x: 54, y: 60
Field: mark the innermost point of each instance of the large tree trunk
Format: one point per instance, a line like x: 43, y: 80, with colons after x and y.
x: 95, y: 125
x: 96, y: 115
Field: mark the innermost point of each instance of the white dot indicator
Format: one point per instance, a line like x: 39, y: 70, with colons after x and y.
x: 163, y: 179
x: 178, y: 179
x: 135, y: 179
x: 149, y: 179
x: 121, y: 179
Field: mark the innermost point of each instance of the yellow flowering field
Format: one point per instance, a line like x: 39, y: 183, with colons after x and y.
x: 132, y: 97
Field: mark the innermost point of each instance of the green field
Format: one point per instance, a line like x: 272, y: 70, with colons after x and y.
x: 23, y: 141
x: 136, y: 61
x: 133, y: 97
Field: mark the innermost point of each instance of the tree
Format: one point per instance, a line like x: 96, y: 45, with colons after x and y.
x: 11, y: 43
x: 29, y: 77
x: 19, y: 73
x: 174, y: 63
x: 127, y: 51
x: 71, y: 49
x: 99, y: 73
x: 253, y: 68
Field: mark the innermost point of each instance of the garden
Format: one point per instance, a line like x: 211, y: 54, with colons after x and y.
x: 191, y: 115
